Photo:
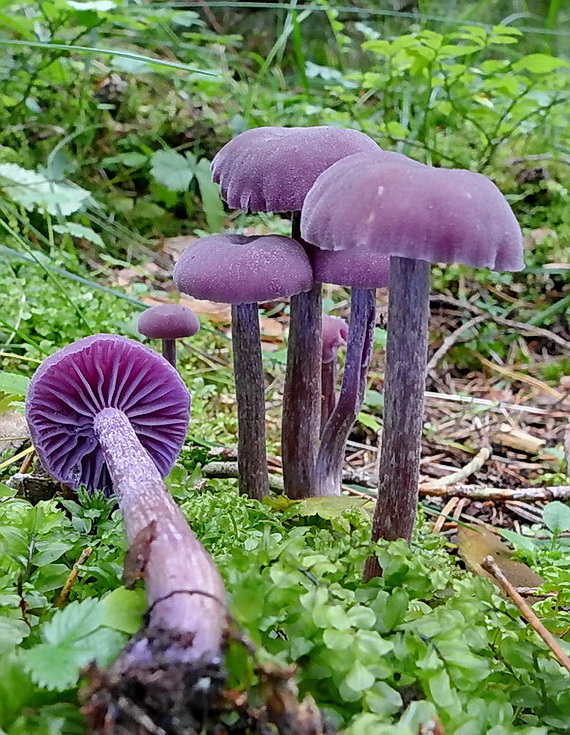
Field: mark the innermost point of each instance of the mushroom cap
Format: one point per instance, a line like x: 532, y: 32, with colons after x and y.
x: 413, y: 211
x: 335, y: 332
x: 72, y: 386
x: 358, y: 267
x: 271, y: 169
x: 168, y: 321
x: 241, y: 269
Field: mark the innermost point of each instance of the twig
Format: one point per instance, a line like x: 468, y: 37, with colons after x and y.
x: 451, y: 339
x: 456, y: 477
x: 495, y: 406
x: 72, y: 576
x: 444, y: 515
x: 483, y: 492
x: 529, y: 329
x: 229, y: 470
x: 538, y: 157
x: 489, y: 565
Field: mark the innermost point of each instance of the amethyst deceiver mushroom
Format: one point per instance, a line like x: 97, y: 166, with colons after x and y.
x: 417, y: 215
x: 271, y: 169
x: 363, y: 270
x: 243, y: 270
x: 110, y: 413
x: 168, y: 322
x: 335, y: 331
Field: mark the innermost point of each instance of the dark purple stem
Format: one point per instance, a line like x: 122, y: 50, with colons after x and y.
x: 250, y: 396
x: 330, y: 459
x: 329, y: 372
x: 169, y: 351
x: 176, y: 561
x: 404, y: 385
x: 302, y: 391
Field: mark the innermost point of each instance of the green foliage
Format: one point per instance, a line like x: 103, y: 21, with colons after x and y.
x: 426, y: 638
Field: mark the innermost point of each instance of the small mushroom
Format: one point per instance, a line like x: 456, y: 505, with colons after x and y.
x: 168, y: 322
x: 242, y: 271
x: 271, y: 169
x: 416, y: 215
x: 363, y: 270
x: 110, y: 413
x: 335, y: 331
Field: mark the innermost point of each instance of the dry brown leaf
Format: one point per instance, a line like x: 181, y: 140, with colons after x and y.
x: 477, y: 542
x: 213, y: 311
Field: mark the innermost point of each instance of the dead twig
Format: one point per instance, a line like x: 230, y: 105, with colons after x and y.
x: 229, y: 471
x: 451, y: 339
x: 72, y: 576
x: 456, y: 477
x: 483, y: 492
x: 490, y: 566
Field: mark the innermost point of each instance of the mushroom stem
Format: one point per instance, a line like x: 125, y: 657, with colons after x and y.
x: 184, y: 589
x: 404, y: 384
x: 329, y: 372
x: 250, y: 396
x: 328, y: 472
x: 300, y: 426
x: 169, y: 351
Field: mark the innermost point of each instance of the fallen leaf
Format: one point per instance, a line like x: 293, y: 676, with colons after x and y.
x: 475, y: 543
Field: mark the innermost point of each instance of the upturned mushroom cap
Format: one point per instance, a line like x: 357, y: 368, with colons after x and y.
x: 413, y: 211
x: 271, y: 169
x: 335, y: 332
x: 168, y: 321
x: 241, y: 269
x: 75, y: 384
x: 358, y: 267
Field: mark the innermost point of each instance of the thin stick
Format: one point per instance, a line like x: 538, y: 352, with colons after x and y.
x: 456, y: 477
x: 72, y: 576
x: 451, y: 339
x: 489, y: 565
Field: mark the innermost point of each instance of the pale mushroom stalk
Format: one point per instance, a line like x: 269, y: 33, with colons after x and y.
x: 184, y: 589
x: 404, y: 386
x: 302, y: 390
x: 250, y: 398
x: 330, y: 459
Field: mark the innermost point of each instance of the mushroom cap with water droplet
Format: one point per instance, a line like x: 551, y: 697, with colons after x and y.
x: 242, y: 269
x: 168, y: 321
x: 103, y: 371
x: 271, y: 169
x: 412, y: 211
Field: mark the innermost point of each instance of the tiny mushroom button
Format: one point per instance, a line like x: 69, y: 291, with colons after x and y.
x: 168, y: 322
x: 417, y: 215
x: 242, y: 271
x: 271, y: 169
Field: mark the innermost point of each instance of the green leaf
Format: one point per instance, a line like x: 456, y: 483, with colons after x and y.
x: 360, y: 678
x: 71, y: 639
x: 123, y: 610
x: 13, y: 384
x: 102, y: 6
x: 556, y: 516
x: 539, y: 63
x: 172, y: 170
x: 33, y: 190
x: 210, y: 195
x: 80, y: 231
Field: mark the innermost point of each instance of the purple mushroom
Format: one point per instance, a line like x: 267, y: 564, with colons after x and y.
x: 108, y: 412
x: 168, y: 322
x: 271, y: 169
x: 335, y: 331
x: 417, y: 215
x: 363, y: 270
x: 242, y: 271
